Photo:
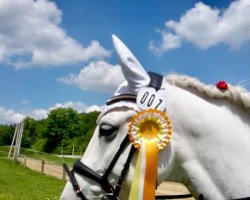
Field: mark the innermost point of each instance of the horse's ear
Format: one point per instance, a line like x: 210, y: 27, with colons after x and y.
x: 132, y: 70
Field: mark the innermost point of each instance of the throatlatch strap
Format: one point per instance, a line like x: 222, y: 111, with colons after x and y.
x: 155, y: 80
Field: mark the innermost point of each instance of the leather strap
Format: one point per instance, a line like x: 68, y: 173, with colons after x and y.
x: 122, y: 97
x: 124, y: 143
x: 174, y: 196
x: 124, y: 172
x: 84, y: 170
x: 74, y: 182
x: 155, y: 80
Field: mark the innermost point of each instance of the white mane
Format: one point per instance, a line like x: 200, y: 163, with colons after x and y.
x: 237, y: 95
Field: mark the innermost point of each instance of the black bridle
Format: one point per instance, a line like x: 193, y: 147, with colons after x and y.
x: 113, y: 192
x: 82, y: 169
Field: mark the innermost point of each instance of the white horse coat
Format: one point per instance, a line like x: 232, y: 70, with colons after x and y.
x: 210, y: 144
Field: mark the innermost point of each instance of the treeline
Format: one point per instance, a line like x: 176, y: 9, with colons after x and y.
x: 62, y: 131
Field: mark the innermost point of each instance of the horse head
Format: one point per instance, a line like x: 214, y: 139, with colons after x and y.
x: 112, y: 131
x: 208, y: 151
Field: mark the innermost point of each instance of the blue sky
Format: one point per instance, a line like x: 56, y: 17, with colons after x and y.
x: 60, y: 53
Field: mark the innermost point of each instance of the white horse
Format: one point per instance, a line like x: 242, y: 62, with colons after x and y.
x: 209, y: 151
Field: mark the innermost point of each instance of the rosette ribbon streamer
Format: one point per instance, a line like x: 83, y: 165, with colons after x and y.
x: 149, y: 131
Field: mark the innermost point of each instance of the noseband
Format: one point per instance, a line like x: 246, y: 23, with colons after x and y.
x: 113, y: 192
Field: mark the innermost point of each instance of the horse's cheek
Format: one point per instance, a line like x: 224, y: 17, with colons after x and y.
x: 68, y: 192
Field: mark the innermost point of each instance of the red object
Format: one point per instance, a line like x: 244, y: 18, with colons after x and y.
x: 222, y: 85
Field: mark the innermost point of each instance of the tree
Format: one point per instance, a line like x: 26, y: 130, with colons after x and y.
x: 29, y: 132
x: 6, y: 134
x: 63, y: 129
x: 88, y: 125
x: 62, y: 123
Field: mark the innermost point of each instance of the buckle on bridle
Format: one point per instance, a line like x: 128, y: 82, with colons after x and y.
x: 77, y: 190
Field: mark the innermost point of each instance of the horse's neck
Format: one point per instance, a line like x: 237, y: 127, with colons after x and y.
x: 211, y: 139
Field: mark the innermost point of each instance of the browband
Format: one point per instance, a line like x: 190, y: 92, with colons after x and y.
x: 122, y: 97
x: 155, y: 82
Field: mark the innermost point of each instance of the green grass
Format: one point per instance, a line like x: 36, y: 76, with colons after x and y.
x: 20, y: 183
x: 4, y: 150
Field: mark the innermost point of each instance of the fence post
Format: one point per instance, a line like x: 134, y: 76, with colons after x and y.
x: 63, y: 174
x: 42, y: 166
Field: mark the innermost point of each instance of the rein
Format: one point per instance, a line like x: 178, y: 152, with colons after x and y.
x: 113, y: 192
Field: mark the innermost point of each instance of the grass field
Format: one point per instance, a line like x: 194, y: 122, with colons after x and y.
x: 4, y: 150
x: 20, y: 183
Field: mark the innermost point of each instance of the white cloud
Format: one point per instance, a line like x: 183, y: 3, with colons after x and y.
x: 78, y: 106
x: 206, y: 27
x: 169, y: 41
x: 9, y: 116
x: 97, y: 76
x: 31, y: 35
x: 37, y: 114
x: 94, y: 108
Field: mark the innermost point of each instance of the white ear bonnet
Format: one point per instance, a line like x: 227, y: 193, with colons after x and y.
x: 136, y: 79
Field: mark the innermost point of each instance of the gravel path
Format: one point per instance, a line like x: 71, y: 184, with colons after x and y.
x: 48, y: 168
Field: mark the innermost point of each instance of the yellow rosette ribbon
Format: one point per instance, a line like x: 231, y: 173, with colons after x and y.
x: 149, y: 131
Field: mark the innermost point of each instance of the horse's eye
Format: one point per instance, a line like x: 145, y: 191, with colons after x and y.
x: 107, y: 129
